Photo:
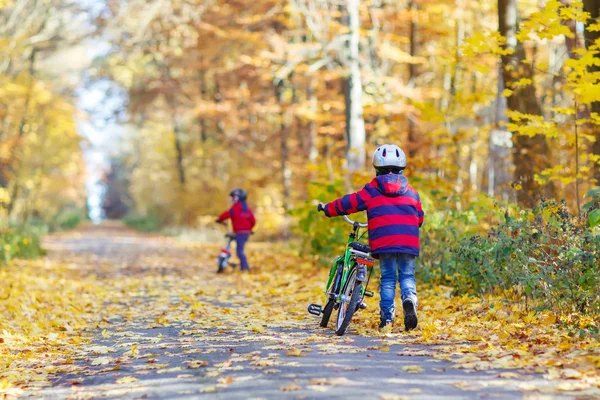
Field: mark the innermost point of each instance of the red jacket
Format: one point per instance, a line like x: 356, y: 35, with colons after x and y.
x: 241, y: 217
x: 394, y: 211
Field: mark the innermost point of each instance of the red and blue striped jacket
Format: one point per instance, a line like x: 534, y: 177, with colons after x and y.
x: 394, y: 211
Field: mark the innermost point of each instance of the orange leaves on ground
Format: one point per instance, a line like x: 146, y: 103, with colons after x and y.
x: 290, y: 387
x: 196, y: 364
x: 295, y: 352
x: 44, y: 315
x: 126, y: 380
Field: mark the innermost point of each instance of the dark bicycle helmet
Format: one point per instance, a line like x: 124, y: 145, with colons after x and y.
x: 239, y: 193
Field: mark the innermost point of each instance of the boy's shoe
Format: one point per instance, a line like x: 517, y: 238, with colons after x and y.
x: 386, y: 322
x: 410, y: 313
x: 387, y: 319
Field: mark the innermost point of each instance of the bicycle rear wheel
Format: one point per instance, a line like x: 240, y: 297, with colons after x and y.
x: 350, y: 299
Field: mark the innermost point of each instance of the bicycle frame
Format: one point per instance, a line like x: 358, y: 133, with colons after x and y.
x: 349, y: 277
x: 349, y: 263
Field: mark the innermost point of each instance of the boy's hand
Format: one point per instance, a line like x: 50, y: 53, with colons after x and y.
x: 321, y: 207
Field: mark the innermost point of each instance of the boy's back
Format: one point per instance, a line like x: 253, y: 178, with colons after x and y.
x: 394, y: 211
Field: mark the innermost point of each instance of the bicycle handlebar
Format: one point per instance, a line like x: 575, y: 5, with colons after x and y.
x: 321, y: 208
x: 348, y: 220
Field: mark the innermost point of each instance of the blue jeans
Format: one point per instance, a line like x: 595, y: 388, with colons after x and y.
x: 394, y: 266
x: 240, y: 240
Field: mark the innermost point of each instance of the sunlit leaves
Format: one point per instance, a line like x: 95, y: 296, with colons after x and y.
x: 549, y: 22
x: 484, y: 42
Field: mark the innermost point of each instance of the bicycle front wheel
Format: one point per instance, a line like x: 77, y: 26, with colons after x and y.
x: 327, y: 312
x: 221, y: 263
x: 348, y: 304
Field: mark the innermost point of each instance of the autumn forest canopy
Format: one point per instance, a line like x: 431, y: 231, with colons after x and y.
x: 497, y: 99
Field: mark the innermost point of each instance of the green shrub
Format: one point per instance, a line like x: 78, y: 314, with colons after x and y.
x: 67, y: 219
x: 545, y: 254
x: 321, y: 236
x: 19, y: 242
x: 444, y: 228
x: 144, y: 223
x: 592, y: 208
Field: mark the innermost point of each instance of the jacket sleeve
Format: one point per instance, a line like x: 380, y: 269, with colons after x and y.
x: 225, y: 216
x: 349, y: 204
x: 420, y: 212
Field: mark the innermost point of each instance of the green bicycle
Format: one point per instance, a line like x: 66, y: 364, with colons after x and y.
x: 348, y: 280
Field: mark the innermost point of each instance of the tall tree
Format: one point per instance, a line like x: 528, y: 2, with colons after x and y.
x: 530, y: 154
x: 353, y: 92
x: 592, y: 38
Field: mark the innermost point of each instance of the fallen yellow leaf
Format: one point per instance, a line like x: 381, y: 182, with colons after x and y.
x: 127, y: 379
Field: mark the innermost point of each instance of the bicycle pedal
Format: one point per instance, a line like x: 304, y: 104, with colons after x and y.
x: 368, y: 293
x: 315, y: 309
x: 362, y: 305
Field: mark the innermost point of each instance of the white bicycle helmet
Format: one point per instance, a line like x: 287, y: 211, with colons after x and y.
x: 389, y: 155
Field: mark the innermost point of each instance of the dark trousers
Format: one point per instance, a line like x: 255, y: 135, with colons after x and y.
x: 240, y: 240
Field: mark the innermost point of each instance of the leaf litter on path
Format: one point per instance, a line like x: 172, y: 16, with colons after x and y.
x: 115, y: 294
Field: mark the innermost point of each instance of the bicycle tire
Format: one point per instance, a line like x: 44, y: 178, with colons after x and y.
x: 346, y: 314
x: 220, y: 261
x: 327, y: 313
x: 333, y: 288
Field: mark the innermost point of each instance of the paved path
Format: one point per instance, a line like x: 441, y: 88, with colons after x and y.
x: 144, y: 349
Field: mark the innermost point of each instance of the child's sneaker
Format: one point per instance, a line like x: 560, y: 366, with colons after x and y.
x: 386, y: 323
x: 410, y: 313
x: 387, y: 320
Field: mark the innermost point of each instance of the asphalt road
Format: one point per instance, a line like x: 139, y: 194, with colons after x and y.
x: 192, y: 359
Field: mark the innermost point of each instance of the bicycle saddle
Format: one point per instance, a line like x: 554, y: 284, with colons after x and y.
x: 360, y: 247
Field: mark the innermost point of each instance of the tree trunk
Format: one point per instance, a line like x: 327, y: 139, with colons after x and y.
x: 593, y: 7
x: 286, y: 172
x: 412, y: 75
x: 16, y: 162
x: 530, y: 153
x: 179, y: 152
x: 355, y: 124
x: 313, y: 151
x: 218, y: 98
x: 202, y: 119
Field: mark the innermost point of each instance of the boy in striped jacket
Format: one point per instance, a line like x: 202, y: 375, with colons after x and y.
x: 395, y: 215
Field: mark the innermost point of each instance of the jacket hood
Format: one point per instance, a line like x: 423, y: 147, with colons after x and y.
x: 391, y: 185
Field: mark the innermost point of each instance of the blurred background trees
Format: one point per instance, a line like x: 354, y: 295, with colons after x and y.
x: 487, y: 98
x: 41, y: 164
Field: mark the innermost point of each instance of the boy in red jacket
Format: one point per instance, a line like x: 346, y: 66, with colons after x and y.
x: 395, y: 215
x: 242, y: 220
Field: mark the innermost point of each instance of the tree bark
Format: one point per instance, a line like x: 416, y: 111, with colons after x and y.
x: 529, y: 153
x: 202, y: 119
x: 412, y: 75
x: 591, y: 38
x: 179, y: 152
x: 286, y: 172
x: 355, y: 124
x: 313, y: 152
x: 16, y: 162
